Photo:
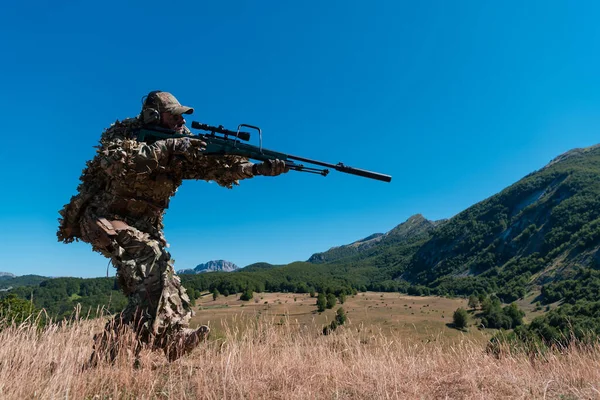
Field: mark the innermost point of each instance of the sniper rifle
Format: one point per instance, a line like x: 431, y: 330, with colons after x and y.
x: 230, y: 142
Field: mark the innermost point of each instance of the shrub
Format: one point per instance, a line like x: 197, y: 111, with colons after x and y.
x: 321, y: 302
x: 247, y: 295
x: 342, y: 298
x: 340, y: 316
x: 14, y: 309
x: 331, y: 300
x: 460, y: 318
x: 473, y: 302
x: 340, y: 319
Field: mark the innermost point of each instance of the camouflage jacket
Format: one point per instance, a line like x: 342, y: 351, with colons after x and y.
x: 134, y: 181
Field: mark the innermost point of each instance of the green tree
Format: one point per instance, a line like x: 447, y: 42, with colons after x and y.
x: 327, y: 329
x: 340, y: 319
x: 14, y: 309
x: 331, y: 300
x: 473, y: 302
x: 340, y: 316
x: 515, y: 314
x: 321, y: 302
x: 481, y: 297
x: 215, y: 294
x: 312, y: 292
x: 460, y: 318
x: 342, y: 298
x: 247, y: 295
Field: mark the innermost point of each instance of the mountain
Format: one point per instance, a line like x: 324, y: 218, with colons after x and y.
x: 413, y: 227
x: 211, y: 266
x: 9, y: 281
x: 543, y: 228
x: 336, y: 253
x: 259, y: 266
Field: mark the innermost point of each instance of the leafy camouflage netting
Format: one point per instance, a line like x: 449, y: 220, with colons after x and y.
x: 119, y: 210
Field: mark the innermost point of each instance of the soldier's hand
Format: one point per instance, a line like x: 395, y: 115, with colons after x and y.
x: 186, y: 146
x: 270, y: 168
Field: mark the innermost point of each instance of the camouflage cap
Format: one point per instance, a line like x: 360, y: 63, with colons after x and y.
x: 166, y: 102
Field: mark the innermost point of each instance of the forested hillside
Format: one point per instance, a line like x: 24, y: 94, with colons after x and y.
x: 541, y: 229
x: 60, y: 296
x: 9, y: 281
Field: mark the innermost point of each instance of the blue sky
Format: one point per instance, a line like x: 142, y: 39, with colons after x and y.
x: 455, y: 100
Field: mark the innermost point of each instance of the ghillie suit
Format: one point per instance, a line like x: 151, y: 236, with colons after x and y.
x: 119, y: 209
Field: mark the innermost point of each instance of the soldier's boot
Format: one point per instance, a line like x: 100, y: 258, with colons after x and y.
x: 186, y: 341
x: 106, y: 347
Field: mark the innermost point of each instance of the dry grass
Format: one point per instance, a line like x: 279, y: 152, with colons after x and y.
x: 287, y: 361
x: 391, y: 314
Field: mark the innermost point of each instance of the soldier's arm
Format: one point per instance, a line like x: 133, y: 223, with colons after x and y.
x: 225, y: 170
x: 185, y: 155
x: 228, y: 170
x: 165, y: 154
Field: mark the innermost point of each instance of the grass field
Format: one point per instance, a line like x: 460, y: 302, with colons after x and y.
x: 390, y: 314
x: 392, y: 347
x: 270, y: 359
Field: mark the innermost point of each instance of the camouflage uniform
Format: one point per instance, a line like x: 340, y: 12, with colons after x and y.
x: 119, y: 210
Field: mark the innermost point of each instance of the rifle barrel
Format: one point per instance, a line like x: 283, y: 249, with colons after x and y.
x: 344, y: 168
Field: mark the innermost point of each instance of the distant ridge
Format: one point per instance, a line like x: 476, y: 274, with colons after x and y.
x: 257, y: 267
x: 572, y: 153
x: 211, y: 266
x: 541, y: 229
x: 411, y: 228
x: 9, y: 281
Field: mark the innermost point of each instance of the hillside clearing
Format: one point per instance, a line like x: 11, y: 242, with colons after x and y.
x: 389, y: 314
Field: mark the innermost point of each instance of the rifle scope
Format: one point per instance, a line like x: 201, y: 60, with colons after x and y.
x: 220, y: 129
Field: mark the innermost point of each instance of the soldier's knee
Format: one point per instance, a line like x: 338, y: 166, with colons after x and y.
x: 139, y: 244
x: 102, y: 234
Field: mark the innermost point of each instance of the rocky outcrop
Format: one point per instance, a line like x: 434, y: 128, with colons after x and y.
x: 211, y: 266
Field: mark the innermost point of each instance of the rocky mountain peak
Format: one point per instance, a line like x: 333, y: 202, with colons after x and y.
x: 211, y: 266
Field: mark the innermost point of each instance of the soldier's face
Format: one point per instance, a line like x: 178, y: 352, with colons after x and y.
x: 174, y: 122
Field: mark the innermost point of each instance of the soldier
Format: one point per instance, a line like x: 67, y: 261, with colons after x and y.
x: 119, y: 210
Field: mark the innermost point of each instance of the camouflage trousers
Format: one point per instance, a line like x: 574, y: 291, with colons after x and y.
x: 159, y: 309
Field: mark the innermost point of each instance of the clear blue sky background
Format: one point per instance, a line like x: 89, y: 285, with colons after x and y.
x: 456, y: 100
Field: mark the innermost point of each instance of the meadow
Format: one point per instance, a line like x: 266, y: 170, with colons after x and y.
x: 389, y: 314
x: 280, y: 353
